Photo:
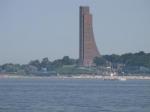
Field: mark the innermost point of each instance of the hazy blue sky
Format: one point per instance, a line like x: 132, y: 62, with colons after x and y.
x: 34, y: 29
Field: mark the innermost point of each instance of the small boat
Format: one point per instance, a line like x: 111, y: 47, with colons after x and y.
x: 122, y: 79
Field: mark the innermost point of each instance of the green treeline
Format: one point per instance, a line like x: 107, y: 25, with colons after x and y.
x: 129, y: 63
x: 37, y: 66
x: 126, y: 63
x: 129, y: 59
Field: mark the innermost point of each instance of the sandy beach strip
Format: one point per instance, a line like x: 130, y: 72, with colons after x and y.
x: 84, y: 76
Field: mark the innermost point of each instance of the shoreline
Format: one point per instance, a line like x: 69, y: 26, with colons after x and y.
x: 100, y: 77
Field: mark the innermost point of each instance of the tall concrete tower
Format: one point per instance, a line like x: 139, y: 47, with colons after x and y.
x: 87, y: 46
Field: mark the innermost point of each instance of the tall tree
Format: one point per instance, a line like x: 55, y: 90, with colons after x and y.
x: 35, y: 63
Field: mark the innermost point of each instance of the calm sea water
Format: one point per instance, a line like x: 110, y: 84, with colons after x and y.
x: 72, y: 95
